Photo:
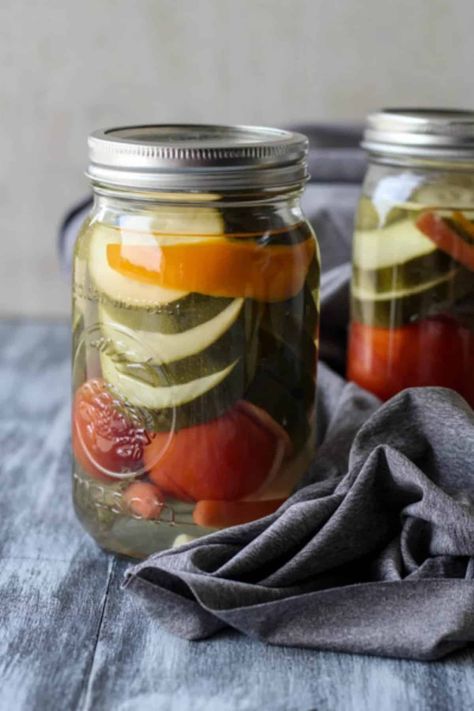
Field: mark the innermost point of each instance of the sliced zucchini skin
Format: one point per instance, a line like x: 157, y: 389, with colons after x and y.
x: 208, y: 406
x: 393, y: 309
x: 397, y: 243
x: 288, y: 320
x: 231, y: 346
x: 293, y: 365
x: 175, y: 317
x: 404, y: 275
x: 284, y: 382
x: 170, y: 220
x: 159, y: 348
x: 239, y: 226
x: 269, y: 393
x: 155, y: 397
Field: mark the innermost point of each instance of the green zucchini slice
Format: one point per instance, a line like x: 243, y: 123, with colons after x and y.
x: 288, y: 319
x: 224, y: 389
x: 159, y: 348
x: 389, y: 246
x: 396, y: 308
x: 229, y: 347
x: 174, y: 317
x: 176, y: 220
x: 142, y: 394
x: 369, y: 294
x: 273, y: 396
x: 404, y: 276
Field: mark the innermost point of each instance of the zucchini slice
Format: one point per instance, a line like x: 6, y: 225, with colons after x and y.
x: 284, y: 381
x: 269, y: 393
x: 173, y: 220
x: 405, y: 276
x: 174, y: 317
x: 396, y: 308
x: 224, y: 389
x: 156, y: 347
x: 159, y: 397
x: 368, y: 294
x: 395, y: 244
x: 229, y: 347
x: 289, y: 319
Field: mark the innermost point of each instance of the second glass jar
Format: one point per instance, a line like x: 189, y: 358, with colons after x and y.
x: 413, y: 257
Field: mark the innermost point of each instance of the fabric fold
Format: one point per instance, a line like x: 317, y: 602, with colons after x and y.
x: 374, y: 554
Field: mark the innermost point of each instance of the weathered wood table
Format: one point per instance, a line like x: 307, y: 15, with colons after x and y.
x: 70, y: 638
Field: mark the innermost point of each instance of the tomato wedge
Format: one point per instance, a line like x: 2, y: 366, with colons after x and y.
x: 106, y: 443
x: 218, y: 267
x: 454, y: 236
x: 434, y: 351
x: 224, y: 459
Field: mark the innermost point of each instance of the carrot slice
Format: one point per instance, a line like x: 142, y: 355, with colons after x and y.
x: 219, y: 514
x: 454, y: 236
x: 218, y: 267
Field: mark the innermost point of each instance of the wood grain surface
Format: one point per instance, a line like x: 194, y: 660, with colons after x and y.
x: 70, y: 638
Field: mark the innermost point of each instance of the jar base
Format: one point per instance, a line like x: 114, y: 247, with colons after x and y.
x: 99, y: 509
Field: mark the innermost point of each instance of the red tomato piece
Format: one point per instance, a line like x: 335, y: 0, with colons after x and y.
x: 144, y: 500
x: 106, y: 443
x: 455, y: 237
x: 434, y: 351
x: 227, y: 458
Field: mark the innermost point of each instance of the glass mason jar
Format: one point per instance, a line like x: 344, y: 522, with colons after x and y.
x: 413, y: 256
x: 195, y: 318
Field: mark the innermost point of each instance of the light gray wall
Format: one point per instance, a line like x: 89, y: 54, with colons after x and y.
x: 68, y: 66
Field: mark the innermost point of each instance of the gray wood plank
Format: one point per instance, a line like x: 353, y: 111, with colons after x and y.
x: 140, y: 667
x: 70, y: 638
x: 52, y: 577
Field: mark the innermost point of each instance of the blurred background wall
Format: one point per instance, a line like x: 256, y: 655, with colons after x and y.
x: 68, y: 67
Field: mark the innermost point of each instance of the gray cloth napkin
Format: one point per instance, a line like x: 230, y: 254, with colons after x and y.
x: 374, y: 554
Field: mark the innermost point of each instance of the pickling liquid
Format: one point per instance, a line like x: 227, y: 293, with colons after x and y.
x: 195, y: 350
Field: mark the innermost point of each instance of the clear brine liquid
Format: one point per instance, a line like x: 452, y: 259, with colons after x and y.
x: 173, y: 388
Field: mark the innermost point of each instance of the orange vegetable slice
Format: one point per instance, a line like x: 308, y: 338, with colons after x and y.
x: 220, y: 514
x: 218, y: 267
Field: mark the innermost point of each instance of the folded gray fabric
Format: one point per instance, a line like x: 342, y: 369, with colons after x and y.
x: 375, y: 556
x: 375, y: 552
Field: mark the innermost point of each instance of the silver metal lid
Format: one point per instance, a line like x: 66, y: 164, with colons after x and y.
x: 424, y: 133
x: 197, y: 157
